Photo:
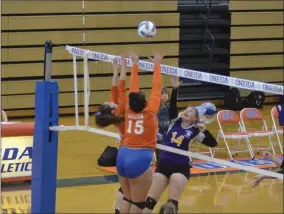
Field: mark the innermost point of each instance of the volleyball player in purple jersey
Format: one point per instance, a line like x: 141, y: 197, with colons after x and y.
x: 173, y: 169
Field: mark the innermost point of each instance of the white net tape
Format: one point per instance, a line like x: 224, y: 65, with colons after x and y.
x: 185, y: 73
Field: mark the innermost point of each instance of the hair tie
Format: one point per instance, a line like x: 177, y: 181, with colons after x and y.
x: 98, y: 113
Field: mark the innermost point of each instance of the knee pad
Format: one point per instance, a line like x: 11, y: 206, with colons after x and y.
x: 150, y: 203
x: 174, y: 202
x: 120, y: 190
x: 140, y: 205
x: 129, y: 201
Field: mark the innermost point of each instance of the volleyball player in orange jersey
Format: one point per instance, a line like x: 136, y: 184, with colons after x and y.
x: 113, y: 112
x: 135, y: 156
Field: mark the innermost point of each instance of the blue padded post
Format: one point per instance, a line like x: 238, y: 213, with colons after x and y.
x: 45, y: 146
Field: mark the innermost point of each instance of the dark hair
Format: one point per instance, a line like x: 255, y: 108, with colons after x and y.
x: 104, y: 116
x: 168, y: 208
x: 137, y: 101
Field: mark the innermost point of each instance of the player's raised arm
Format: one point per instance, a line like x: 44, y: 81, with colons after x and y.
x: 155, y: 97
x: 134, y: 78
x: 173, y: 111
x: 122, y: 99
x: 115, y: 79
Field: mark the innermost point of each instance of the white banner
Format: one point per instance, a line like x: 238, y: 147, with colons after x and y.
x: 16, y: 153
x: 184, y: 73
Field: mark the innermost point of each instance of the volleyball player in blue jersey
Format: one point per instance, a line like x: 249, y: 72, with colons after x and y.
x: 173, y: 169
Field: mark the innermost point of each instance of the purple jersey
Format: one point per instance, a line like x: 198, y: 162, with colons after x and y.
x: 179, y: 138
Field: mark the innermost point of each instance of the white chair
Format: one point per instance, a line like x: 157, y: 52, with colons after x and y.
x: 278, y: 130
x: 226, y: 117
x: 250, y: 115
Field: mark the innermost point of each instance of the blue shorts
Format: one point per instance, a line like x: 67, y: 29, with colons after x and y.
x: 132, y: 163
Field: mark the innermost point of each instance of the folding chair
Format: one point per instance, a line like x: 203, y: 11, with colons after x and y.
x: 253, y: 114
x: 228, y: 117
x: 277, y: 129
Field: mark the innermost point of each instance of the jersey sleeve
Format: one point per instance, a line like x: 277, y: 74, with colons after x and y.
x: 134, y: 79
x: 206, y: 138
x: 114, y: 94
x: 173, y: 111
x: 122, y: 99
x: 155, y: 97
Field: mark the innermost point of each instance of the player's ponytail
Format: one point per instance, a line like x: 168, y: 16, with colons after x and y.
x: 104, y: 117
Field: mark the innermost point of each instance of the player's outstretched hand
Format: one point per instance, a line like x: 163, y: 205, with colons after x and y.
x: 115, y: 64
x: 157, y: 57
x: 134, y: 57
x: 123, y: 61
x: 175, y: 82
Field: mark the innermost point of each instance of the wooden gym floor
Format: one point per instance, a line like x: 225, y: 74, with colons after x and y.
x: 84, y: 188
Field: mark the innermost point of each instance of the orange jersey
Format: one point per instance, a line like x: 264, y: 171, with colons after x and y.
x: 142, y: 128
x: 114, y: 94
x: 120, y: 110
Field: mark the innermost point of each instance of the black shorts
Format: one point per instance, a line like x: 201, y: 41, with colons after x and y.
x: 168, y: 170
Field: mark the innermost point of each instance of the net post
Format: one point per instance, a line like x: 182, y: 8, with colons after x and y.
x: 45, y: 143
x: 86, y: 89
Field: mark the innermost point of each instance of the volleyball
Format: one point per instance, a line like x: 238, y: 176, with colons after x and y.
x: 147, y: 29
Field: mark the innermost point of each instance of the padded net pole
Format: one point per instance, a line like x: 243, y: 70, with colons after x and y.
x: 45, y: 143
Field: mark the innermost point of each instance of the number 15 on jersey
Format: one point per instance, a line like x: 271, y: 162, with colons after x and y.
x: 135, y: 127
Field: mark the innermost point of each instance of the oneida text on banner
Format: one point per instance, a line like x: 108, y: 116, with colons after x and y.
x: 184, y: 73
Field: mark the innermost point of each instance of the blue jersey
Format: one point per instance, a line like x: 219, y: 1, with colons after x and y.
x: 179, y: 138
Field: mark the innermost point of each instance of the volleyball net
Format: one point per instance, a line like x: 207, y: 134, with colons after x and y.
x: 46, y: 120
